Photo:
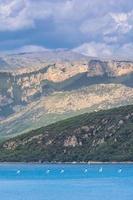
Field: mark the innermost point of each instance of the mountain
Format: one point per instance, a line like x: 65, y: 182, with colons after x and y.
x: 99, y: 136
x: 41, y: 88
x: 62, y: 105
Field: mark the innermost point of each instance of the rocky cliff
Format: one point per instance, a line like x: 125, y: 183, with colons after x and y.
x: 25, y: 85
x: 32, y: 78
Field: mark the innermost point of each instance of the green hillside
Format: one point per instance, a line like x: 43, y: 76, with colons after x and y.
x: 100, y: 136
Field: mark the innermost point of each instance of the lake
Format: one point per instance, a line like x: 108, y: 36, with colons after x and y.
x: 66, y: 182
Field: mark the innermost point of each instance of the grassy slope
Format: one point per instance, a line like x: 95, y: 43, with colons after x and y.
x: 101, y: 136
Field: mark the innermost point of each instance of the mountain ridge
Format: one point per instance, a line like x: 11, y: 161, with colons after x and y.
x: 32, y: 78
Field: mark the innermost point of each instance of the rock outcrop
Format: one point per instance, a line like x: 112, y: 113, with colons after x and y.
x: 59, y: 82
x: 23, y: 85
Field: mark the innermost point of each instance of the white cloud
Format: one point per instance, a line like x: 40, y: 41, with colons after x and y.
x: 13, y: 15
x: 108, y: 25
x: 105, y: 26
x: 102, y: 50
x: 17, y: 14
x: 91, y: 18
x: 22, y: 14
x: 94, y: 49
x: 123, y: 21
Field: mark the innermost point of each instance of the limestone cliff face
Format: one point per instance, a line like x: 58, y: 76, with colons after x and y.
x: 20, y: 86
x: 112, y: 68
x: 23, y: 85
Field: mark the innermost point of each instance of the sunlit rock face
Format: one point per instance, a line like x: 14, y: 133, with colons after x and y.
x: 23, y: 76
x: 60, y: 82
x: 29, y: 80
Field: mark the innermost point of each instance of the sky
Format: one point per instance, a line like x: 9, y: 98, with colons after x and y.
x: 102, y: 28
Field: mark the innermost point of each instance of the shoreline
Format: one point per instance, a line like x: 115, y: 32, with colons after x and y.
x: 68, y: 163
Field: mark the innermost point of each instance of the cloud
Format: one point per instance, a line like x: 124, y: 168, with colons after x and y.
x: 22, y: 14
x: 13, y: 15
x: 26, y: 12
x: 94, y: 49
x: 102, y: 50
x: 123, y: 22
x: 104, y: 25
x: 110, y: 27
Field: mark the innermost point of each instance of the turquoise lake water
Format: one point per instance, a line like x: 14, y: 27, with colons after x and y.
x: 66, y: 182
